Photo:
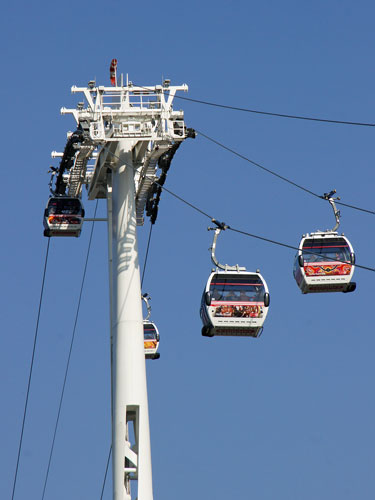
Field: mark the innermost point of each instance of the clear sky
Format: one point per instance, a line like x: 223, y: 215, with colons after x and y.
x: 288, y: 416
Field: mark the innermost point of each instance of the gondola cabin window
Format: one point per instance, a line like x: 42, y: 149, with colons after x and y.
x: 232, y: 288
x: 322, y: 250
x: 64, y: 207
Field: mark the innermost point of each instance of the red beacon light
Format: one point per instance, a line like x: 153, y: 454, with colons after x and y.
x: 113, y: 72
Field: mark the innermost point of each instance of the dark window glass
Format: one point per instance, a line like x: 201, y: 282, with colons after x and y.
x: 322, y: 249
x: 65, y: 206
x: 149, y: 336
x: 149, y: 332
x: 234, y: 288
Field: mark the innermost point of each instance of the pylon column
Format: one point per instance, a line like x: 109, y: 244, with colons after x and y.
x: 131, y: 449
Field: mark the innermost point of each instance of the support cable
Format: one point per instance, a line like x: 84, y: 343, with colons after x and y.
x: 254, y: 235
x: 161, y: 186
x: 106, y: 471
x: 341, y: 122
x: 269, y: 113
x: 69, y: 356
x: 293, y: 247
x: 372, y: 212
x: 258, y: 164
x: 31, y: 369
x: 187, y: 203
x: 243, y: 232
x: 280, y: 115
x: 145, y: 262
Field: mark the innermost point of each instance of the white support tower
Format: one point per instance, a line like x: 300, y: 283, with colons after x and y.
x: 130, y: 128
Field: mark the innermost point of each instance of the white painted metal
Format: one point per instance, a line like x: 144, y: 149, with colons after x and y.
x: 131, y: 127
x: 77, y: 173
x: 110, y: 274
x: 130, y: 423
x: 213, y: 250
x: 144, y: 115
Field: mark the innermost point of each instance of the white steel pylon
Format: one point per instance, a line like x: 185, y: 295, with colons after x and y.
x: 130, y: 424
x: 132, y: 127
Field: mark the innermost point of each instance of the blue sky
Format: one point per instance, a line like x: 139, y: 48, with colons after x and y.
x: 287, y: 416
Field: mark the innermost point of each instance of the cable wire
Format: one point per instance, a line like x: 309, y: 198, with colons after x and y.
x: 341, y: 122
x: 372, y: 212
x: 145, y: 262
x: 186, y: 202
x: 106, y: 472
x: 253, y: 235
x: 69, y: 356
x: 270, y: 113
x: 299, y: 186
x: 161, y: 185
x: 243, y: 232
x: 258, y: 164
x: 31, y: 368
x: 294, y: 248
x: 280, y: 115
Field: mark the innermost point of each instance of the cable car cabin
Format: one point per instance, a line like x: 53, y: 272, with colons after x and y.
x: 324, y: 263
x: 234, y: 304
x: 63, y: 216
x: 151, y: 340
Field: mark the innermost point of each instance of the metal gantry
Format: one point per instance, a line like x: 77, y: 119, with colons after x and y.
x: 130, y: 131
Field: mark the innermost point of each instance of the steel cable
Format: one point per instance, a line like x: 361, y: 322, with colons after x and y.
x: 106, y: 472
x: 299, y: 186
x: 279, y: 115
x: 269, y: 113
x: 146, y: 256
x: 31, y: 369
x: 250, y: 234
x: 69, y: 357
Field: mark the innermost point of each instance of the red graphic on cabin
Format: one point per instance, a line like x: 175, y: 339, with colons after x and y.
x: 329, y: 269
